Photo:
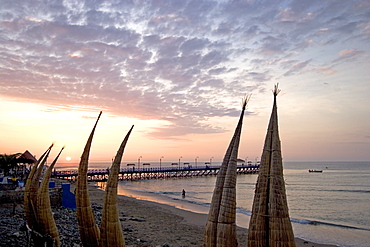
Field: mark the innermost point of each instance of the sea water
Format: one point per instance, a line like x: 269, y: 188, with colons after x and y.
x: 331, y: 207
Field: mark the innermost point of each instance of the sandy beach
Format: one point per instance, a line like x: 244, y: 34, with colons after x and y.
x: 145, y: 223
x: 156, y: 224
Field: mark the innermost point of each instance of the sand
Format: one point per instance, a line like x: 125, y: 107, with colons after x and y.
x: 156, y: 224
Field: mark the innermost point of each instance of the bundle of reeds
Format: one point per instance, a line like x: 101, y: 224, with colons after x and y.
x: 30, y: 190
x: 89, y: 231
x: 270, y: 224
x: 111, y: 233
x: 38, y: 210
x: 221, y: 226
x: 46, y: 223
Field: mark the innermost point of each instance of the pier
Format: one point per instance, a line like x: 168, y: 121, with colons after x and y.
x: 132, y: 173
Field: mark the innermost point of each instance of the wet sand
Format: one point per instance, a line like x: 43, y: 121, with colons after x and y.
x: 156, y: 224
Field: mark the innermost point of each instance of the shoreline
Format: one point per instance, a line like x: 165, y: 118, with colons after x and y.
x: 192, y: 222
x: 144, y: 223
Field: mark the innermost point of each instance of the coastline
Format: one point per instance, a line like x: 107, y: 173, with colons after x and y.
x: 159, y: 223
x: 144, y: 222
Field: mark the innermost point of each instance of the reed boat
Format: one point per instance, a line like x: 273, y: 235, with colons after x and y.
x: 314, y: 170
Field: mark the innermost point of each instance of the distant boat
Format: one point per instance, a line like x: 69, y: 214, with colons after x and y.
x: 314, y: 170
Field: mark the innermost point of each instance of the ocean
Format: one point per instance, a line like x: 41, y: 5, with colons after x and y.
x: 332, y: 207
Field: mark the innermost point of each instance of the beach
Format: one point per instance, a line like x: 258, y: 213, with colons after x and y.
x: 327, y: 208
x: 145, y: 223
x: 157, y: 224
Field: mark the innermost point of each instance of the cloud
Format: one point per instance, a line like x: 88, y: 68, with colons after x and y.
x: 326, y: 70
x: 169, y: 60
x: 297, y: 68
x: 271, y: 45
x: 347, y: 54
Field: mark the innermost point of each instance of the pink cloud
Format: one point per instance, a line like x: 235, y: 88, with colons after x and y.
x: 349, y: 53
x: 326, y: 70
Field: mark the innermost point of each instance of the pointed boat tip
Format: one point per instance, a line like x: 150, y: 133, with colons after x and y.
x: 246, y: 98
x: 276, y: 90
x: 128, y: 133
x: 245, y: 101
x: 130, y: 130
x: 101, y: 112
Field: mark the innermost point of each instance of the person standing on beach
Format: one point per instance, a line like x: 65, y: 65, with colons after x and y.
x: 183, y: 193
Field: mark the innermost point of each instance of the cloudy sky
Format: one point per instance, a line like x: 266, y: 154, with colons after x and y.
x: 178, y: 71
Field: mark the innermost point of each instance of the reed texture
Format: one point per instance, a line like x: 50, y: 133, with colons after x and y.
x: 30, y: 190
x: 221, y: 223
x: 47, y: 226
x: 270, y: 225
x: 111, y: 233
x: 88, y: 229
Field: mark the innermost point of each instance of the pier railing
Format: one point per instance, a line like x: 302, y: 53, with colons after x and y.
x: 134, y: 173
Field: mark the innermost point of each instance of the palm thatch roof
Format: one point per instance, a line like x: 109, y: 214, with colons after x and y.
x: 270, y: 224
x: 26, y: 158
x: 221, y: 224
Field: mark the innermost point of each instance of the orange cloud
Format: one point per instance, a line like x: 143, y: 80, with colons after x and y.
x: 326, y: 70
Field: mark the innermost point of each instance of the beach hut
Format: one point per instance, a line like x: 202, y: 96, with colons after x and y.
x: 26, y: 158
x: 221, y: 223
x: 270, y: 225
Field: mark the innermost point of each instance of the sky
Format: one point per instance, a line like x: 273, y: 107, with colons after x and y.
x: 178, y: 71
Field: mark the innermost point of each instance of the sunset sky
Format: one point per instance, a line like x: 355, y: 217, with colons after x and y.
x: 178, y: 71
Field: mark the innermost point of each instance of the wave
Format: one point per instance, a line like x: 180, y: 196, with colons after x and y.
x: 333, y: 190
x: 353, y: 191
x: 196, y: 203
x: 176, y: 196
x: 168, y: 193
x: 316, y: 223
x: 308, y: 222
x: 243, y: 211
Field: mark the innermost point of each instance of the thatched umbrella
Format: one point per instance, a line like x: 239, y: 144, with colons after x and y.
x: 111, y: 233
x: 221, y: 226
x: 270, y: 225
x: 46, y: 223
x: 89, y: 231
x: 26, y: 158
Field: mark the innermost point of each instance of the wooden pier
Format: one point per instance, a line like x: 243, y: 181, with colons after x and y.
x: 133, y: 173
